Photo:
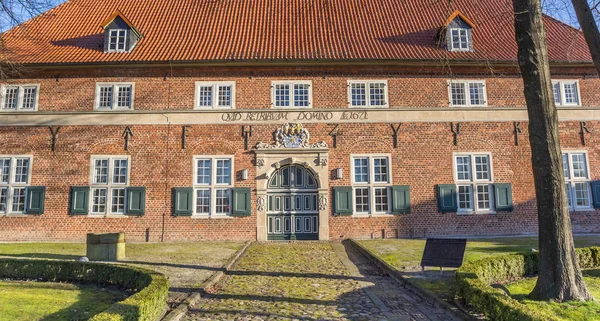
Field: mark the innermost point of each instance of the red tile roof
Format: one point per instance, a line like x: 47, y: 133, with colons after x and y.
x: 250, y: 30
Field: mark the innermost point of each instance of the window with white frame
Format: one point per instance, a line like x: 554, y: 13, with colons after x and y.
x: 467, y: 93
x: 19, y: 97
x: 109, y: 179
x: 117, y: 40
x: 220, y: 94
x: 577, y: 180
x: 372, y: 93
x: 566, y: 92
x: 15, y: 172
x: 213, y: 182
x: 473, y: 177
x: 293, y: 94
x: 459, y: 39
x: 371, y: 181
x: 114, y: 96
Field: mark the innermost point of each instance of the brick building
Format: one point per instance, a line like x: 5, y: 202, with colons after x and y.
x: 272, y: 119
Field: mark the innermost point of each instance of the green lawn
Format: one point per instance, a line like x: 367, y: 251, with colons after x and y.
x: 186, y: 264
x: 405, y: 255
x: 28, y: 301
x: 580, y: 311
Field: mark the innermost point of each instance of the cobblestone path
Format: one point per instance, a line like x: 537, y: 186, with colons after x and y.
x: 309, y: 281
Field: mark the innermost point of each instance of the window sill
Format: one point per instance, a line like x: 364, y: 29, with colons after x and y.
x: 466, y: 213
x: 15, y: 215
x: 468, y: 106
x: 109, y: 216
x: 359, y: 215
x: 588, y: 209
x: 120, y: 109
x: 212, y: 108
x: 368, y: 107
x: 291, y: 107
x: 209, y: 217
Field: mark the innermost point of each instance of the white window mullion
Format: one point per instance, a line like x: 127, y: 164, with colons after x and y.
x: 561, y: 93
x: 115, y: 99
x: 109, y: 181
x: 213, y: 183
x: 20, y: 98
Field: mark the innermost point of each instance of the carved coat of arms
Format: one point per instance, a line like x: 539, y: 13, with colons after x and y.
x: 291, y: 135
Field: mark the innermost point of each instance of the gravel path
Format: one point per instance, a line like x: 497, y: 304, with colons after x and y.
x: 309, y: 281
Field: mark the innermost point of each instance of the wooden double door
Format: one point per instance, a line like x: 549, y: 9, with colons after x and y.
x: 292, y: 208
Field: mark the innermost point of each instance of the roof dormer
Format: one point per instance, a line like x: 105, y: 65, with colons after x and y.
x: 119, y: 33
x: 459, y: 32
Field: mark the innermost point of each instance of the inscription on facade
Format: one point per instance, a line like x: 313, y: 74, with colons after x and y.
x: 293, y: 116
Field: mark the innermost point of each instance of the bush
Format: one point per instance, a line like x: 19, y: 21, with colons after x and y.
x: 147, y: 304
x: 474, y: 279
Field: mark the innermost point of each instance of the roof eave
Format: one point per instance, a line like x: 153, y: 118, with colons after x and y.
x: 277, y: 62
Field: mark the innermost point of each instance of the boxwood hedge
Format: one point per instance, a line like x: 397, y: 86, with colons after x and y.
x: 148, y: 303
x: 474, y: 283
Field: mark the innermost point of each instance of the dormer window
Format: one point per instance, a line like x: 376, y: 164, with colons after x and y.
x: 119, y: 34
x: 117, y: 40
x: 460, y: 39
x: 459, y: 32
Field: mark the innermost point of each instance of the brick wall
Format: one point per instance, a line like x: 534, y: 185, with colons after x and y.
x: 174, y: 89
x: 422, y: 159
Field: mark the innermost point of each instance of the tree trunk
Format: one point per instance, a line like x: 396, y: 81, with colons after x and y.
x: 559, y: 275
x: 589, y: 28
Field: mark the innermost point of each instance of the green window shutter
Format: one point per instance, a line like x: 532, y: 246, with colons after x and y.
x: 182, y: 201
x: 135, y: 201
x: 35, y: 196
x: 342, y: 197
x: 503, y: 196
x: 595, y: 193
x: 447, y: 198
x: 241, y: 201
x: 401, y: 199
x: 80, y: 198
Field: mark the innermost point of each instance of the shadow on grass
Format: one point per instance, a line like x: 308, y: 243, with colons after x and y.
x: 44, y: 256
x: 592, y: 273
x: 183, y: 266
x: 375, y: 296
x: 37, y: 298
x: 295, y: 275
x: 508, y: 249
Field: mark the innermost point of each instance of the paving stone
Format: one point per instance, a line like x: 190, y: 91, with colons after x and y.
x: 309, y: 281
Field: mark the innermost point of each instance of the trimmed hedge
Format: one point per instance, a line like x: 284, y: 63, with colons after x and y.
x: 474, y: 280
x: 147, y: 304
